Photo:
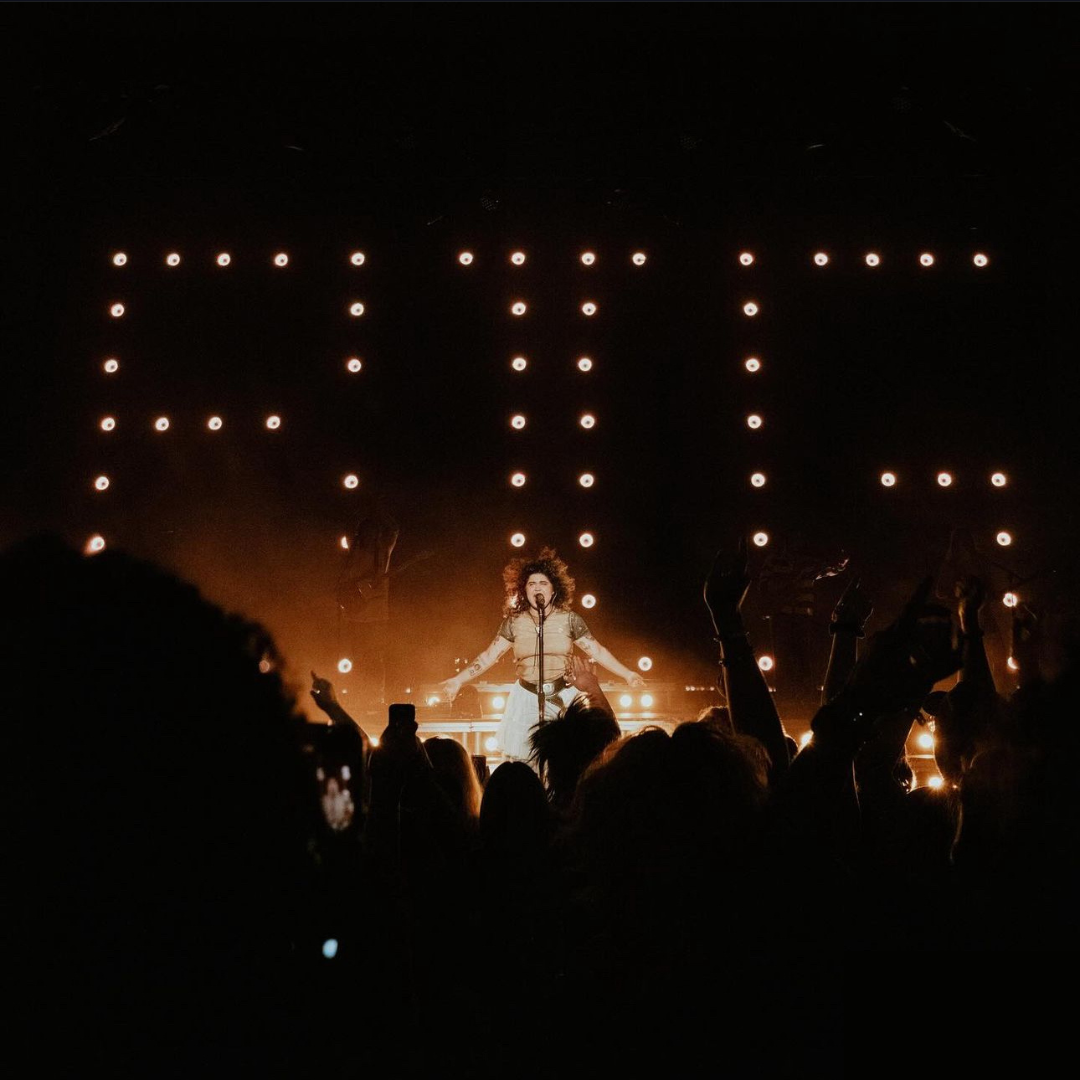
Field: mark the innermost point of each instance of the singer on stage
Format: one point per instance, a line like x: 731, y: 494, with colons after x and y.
x: 538, y: 593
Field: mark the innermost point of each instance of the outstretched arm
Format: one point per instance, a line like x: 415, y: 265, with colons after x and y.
x: 485, y: 660
x: 847, y: 626
x: 595, y: 651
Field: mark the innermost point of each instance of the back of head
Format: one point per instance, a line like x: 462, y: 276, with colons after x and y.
x: 456, y: 775
x: 514, y: 815
x: 565, y: 748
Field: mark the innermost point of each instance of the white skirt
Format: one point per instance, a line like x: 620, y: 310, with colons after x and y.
x: 522, y: 715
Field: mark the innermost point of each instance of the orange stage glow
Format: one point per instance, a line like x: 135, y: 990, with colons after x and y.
x: 519, y: 363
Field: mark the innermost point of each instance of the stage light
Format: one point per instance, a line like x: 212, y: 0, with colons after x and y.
x: 518, y: 308
x: 119, y: 259
x: 214, y: 423
x: 588, y: 308
x: 161, y: 423
x: 1011, y: 664
x: 926, y: 259
x: 357, y: 258
x: 465, y: 258
x: 980, y: 259
x: 172, y: 259
x: 626, y: 701
x: 433, y: 699
x: 1010, y: 599
x: 999, y: 479
x: 94, y: 544
x: 750, y: 309
x: 498, y: 703
x: 588, y: 601
x: 344, y: 542
x: 587, y: 421
x: 753, y: 421
x: 760, y: 539
x: 935, y: 781
x: 351, y: 481
x: 638, y: 258
x: 356, y: 309
x: 344, y: 665
x: 281, y: 259
x: 224, y: 259
x: 873, y: 258
x: 805, y: 738
x: 518, y: 258
x: 491, y: 744
x: 752, y: 364
x: 888, y: 479
x: 517, y: 421
x: 108, y: 423
x: 111, y: 366
x: 273, y: 422
x: 944, y: 479
x: 746, y: 258
x: 757, y: 479
x: 585, y: 540
x: 924, y: 741
x: 644, y: 663
x: 518, y: 540
x: 374, y: 738
x: 821, y: 259
x: 646, y: 701
x: 1004, y: 538
x: 116, y: 311
x: 765, y: 663
x: 330, y: 948
x: 518, y: 479
x: 586, y: 480
x: 588, y: 258
x: 519, y: 363
x: 354, y: 364
x: 584, y: 364
x: 101, y: 483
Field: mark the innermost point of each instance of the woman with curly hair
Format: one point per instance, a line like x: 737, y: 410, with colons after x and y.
x: 539, y: 589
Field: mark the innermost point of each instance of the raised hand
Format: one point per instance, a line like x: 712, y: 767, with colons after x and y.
x: 322, y: 690
x: 725, y: 588
x: 853, y: 609
x: 450, y: 689
x: 970, y: 593
x: 583, y: 676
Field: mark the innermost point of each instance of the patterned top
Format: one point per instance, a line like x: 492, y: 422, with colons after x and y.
x: 561, y: 630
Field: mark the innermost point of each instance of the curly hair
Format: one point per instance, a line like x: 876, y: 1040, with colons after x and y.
x: 518, y: 571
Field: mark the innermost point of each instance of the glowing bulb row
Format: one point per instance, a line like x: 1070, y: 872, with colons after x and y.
x: 519, y: 308
x: 627, y: 700
x: 214, y: 423
x: 945, y: 479
x: 224, y: 258
x: 520, y: 363
x: 518, y: 258
x: 518, y: 479
x: 871, y: 258
x: 585, y: 540
x: 353, y: 365
x: 356, y: 308
x: 518, y: 421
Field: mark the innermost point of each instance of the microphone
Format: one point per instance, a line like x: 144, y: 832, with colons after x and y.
x: 540, y: 602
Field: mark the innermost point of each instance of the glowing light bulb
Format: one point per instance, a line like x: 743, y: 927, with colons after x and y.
x: 161, y: 423
x: 980, y: 260
x: 924, y: 741
x: 758, y: 479
x: 498, y: 702
x: 281, y: 259
x: 358, y: 258
x: 746, y: 258
x: 1010, y: 599
x: 638, y: 258
x: 821, y: 259
x: 356, y: 309
x: 1011, y: 664
x: 354, y: 364
x: 101, y: 483
x: 330, y: 948
x: 94, y: 544
x: 873, y: 258
x: 926, y: 259
x: 173, y: 258
x: 108, y: 423
x: 586, y: 480
x: 374, y: 738
x: 752, y: 364
x: 465, y: 258
x: 111, y: 366
x: 344, y: 665
x: 646, y: 701
x: 518, y: 258
x: 760, y: 539
x: 116, y: 311
x: 351, y: 480
x: 588, y: 601
x: 224, y: 259
x: 1004, y: 538
x: 519, y: 363
x: 587, y: 421
x: 753, y: 421
x: 588, y: 308
x: 214, y: 423
x: 750, y: 308
x: 119, y: 259
x: 935, y: 781
x: 626, y: 701
x: 433, y: 699
x: 644, y: 663
x: 517, y: 421
x: 586, y: 540
x: 518, y: 540
x: 999, y: 479
x: 273, y: 422
x: 588, y: 258
x: 518, y: 479
x: 491, y: 744
x: 584, y: 364
x: 344, y: 543
x: 766, y: 663
x: 944, y: 479
x: 888, y: 479
x: 518, y: 308
x: 805, y: 738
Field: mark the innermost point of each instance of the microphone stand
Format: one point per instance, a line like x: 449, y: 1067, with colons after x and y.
x: 541, y: 697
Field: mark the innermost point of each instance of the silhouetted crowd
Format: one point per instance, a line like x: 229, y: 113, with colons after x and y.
x: 201, y: 883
